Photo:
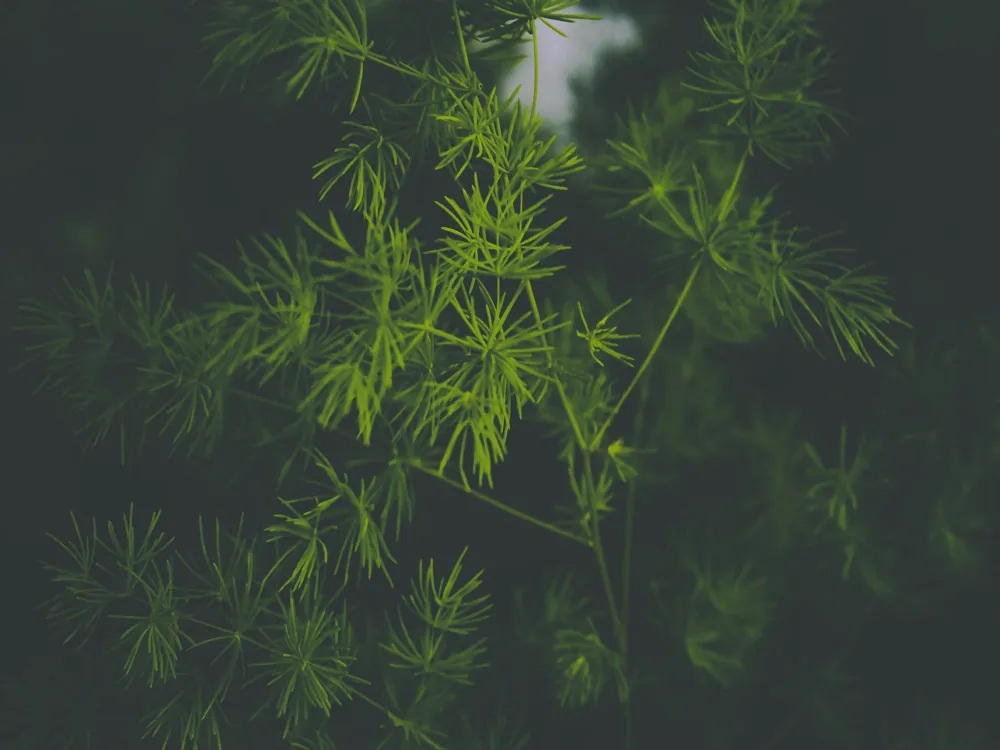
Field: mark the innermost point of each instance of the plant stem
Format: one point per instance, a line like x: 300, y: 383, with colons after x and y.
x: 617, y: 616
x: 627, y: 564
x: 262, y: 400
x: 242, y: 636
x: 415, y: 463
x: 602, y: 562
x: 630, y: 516
x: 399, y: 722
x: 649, y: 357
x: 531, y: 292
x: 555, y: 378
x: 534, y: 57
x: 461, y: 35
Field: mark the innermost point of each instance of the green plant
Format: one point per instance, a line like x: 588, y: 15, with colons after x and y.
x: 761, y: 74
x: 364, y: 346
x: 836, y: 487
x: 959, y: 519
x: 723, y: 620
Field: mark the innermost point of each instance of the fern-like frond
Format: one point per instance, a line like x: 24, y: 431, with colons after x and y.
x: 811, y: 287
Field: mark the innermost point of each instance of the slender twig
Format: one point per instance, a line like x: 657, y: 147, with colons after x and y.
x: 649, y: 357
x: 483, y: 497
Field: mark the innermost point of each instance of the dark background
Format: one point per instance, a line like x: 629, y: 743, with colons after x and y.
x: 112, y: 150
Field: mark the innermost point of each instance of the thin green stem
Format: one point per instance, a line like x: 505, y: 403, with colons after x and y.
x: 627, y: 558
x: 368, y: 56
x: 602, y: 562
x: 461, y: 35
x: 422, y: 736
x: 262, y: 399
x: 534, y: 57
x: 627, y: 598
x: 630, y: 515
x: 649, y: 357
x: 577, y: 432
x: 483, y: 497
x: 627, y: 563
x: 236, y: 637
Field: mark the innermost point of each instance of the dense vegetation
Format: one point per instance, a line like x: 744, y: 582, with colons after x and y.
x: 723, y: 572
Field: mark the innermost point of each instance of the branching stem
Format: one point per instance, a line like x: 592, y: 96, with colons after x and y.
x: 649, y: 357
x: 602, y: 563
x: 483, y: 497
x: 570, y: 414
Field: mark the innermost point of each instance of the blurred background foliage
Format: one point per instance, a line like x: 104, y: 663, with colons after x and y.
x: 877, y: 635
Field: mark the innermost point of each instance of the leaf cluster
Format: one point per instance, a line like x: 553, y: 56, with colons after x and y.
x: 231, y: 622
x: 723, y: 619
x: 761, y: 75
x: 359, y: 344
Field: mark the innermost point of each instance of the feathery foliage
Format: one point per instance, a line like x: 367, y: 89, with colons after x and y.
x: 402, y: 358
